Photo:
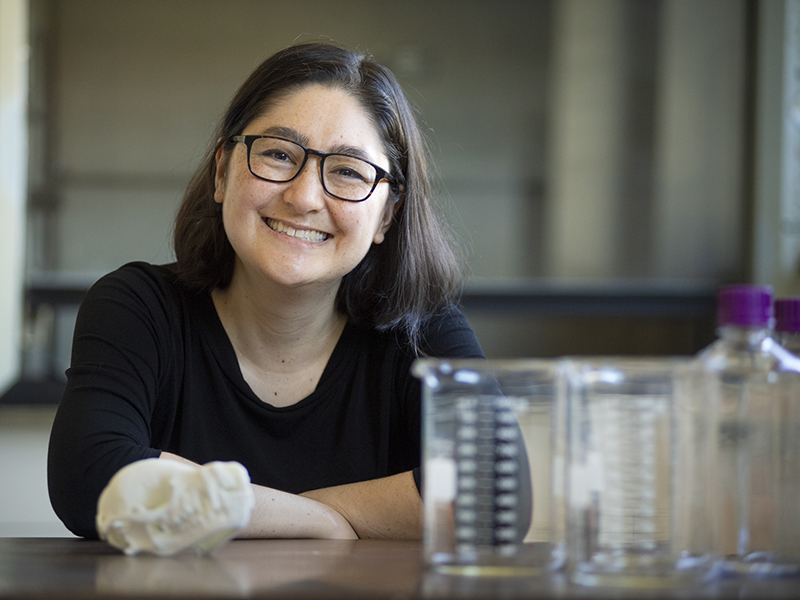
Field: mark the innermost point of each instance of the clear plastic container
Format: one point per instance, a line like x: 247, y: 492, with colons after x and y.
x: 787, y: 324
x: 752, y: 390
x: 493, y: 450
x: 636, y: 492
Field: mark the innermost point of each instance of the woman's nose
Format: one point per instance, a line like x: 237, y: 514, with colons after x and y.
x: 305, y: 192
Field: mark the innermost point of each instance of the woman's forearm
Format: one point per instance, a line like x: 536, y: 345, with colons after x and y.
x: 389, y: 507
x: 279, y: 514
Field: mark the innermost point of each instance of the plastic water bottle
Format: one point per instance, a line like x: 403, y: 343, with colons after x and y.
x: 752, y: 387
x: 787, y: 324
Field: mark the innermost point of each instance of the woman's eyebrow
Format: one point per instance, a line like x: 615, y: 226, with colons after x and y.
x: 351, y: 151
x: 287, y: 133
x: 295, y: 136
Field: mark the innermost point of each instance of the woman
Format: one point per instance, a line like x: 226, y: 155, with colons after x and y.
x: 310, y: 272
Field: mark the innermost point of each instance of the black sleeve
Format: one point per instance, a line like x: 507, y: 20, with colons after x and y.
x: 450, y: 336
x: 103, y: 420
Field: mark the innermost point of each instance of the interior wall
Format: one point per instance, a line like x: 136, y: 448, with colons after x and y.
x: 647, y: 123
x: 787, y: 279
x: 587, y: 126
x: 25, y: 509
x: 776, y: 256
x: 700, y: 202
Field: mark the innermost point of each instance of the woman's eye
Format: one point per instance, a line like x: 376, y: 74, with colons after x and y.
x: 349, y: 169
x: 278, y: 155
x: 348, y: 173
x: 276, y: 151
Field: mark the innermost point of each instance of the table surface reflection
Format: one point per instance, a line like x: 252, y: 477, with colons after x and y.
x: 291, y: 569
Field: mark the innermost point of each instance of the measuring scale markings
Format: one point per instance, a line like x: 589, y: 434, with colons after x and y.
x: 487, y: 439
x: 625, y: 443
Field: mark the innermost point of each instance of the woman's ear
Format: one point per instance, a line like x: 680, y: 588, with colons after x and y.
x: 219, y: 176
x: 388, y: 216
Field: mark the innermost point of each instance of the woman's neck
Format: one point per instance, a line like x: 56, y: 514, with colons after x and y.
x: 281, y: 336
x: 277, y: 315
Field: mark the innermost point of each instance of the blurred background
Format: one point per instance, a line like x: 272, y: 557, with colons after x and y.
x: 607, y: 164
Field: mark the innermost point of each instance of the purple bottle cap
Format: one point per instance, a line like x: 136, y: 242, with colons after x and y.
x: 787, y: 315
x: 744, y: 305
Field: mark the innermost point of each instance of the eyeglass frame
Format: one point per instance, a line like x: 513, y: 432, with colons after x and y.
x: 381, y: 174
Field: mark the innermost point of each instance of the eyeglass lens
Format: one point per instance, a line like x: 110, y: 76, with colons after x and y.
x: 343, y: 176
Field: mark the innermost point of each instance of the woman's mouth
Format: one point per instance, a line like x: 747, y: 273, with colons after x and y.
x: 307, y: 235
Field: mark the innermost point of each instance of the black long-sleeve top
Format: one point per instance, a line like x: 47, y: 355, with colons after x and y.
x: 153, y: 370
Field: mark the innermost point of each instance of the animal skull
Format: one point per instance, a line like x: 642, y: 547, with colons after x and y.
x: 165, y: 506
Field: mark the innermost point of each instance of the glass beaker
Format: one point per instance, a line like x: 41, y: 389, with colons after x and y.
x: 494, y: 439
x: 637, y: 477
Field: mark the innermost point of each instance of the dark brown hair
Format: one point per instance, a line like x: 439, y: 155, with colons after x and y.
x: 414, y: 273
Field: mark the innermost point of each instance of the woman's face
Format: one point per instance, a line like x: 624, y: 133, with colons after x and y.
x: 294, y: 233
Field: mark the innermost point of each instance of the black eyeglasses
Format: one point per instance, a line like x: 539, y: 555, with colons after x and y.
x: 279, y: 160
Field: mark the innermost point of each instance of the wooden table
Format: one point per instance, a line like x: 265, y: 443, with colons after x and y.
x: 60, y: 568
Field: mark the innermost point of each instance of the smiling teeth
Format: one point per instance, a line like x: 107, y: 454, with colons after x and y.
x: 307, y: 235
